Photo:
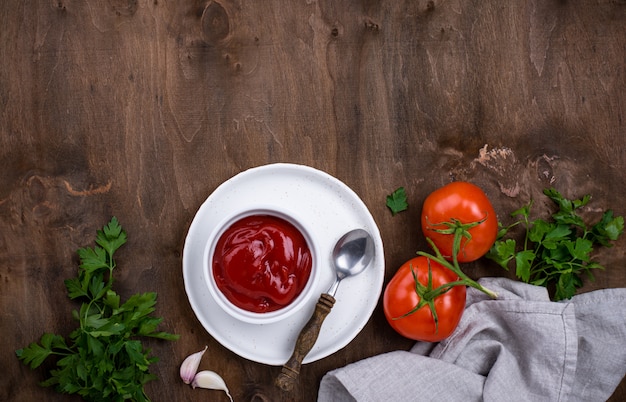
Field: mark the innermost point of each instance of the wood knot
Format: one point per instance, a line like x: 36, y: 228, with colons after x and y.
x: 124, y: 7
x: 372, y: 26
x: 215, y: 23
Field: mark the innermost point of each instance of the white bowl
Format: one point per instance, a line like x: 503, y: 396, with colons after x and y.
x: 241, y: 314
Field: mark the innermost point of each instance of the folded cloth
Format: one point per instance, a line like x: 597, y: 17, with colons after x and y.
x: 520, y: 347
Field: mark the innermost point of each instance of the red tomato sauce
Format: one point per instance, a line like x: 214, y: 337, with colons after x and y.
x: 261, y: 263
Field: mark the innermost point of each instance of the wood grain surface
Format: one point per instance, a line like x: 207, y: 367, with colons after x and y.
x: 141, y: 108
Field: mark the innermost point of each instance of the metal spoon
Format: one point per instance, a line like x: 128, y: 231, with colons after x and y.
x: 351, y: 255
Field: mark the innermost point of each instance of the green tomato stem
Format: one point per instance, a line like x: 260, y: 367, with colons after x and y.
x: 454, y: 266
x: 426, y: 295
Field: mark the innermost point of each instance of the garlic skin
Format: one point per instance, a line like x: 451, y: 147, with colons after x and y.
x: 210, y: 380
x: 190, y: 366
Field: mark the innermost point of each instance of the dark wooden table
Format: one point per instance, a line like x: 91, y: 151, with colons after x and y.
x: 140, y: 109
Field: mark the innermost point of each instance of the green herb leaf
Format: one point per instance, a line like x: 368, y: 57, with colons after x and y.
x: 33, y: 355
x: 111, y: 237
x: 103, y: 359
x: 92, y: 259
x: 607, y: 229
x: 75, y: 288
x: 523, y: 264
x: 396, y: 201
x: 502, y: 252
x: 566, y: 286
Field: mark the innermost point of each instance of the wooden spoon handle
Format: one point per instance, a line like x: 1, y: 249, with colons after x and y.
x: 306, y: 339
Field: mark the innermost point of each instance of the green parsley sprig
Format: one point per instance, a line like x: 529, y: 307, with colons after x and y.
x: 396, y: 201
x: 556, y: 251
x: 103, y: 359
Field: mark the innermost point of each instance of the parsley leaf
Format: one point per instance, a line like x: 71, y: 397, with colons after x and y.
x: 111, y: 237
x: 556, y: 252
x: 396, y: 201
x: 102, y: 359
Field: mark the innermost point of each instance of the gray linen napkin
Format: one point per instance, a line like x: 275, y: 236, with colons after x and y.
x: 520, y: 347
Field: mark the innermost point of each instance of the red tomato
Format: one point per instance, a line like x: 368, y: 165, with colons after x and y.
x: 463, y: 203
x: 400, y: 297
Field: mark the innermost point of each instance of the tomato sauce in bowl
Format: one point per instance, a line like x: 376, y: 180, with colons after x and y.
x: 261, y: 263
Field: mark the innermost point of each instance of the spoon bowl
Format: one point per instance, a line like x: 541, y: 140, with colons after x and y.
x: 352, y: 253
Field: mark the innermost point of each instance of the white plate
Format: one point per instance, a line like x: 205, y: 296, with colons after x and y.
x: 331, y: 209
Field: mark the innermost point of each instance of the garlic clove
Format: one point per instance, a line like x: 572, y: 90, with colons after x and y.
x: 190, y: 366
x: 210, y: 380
